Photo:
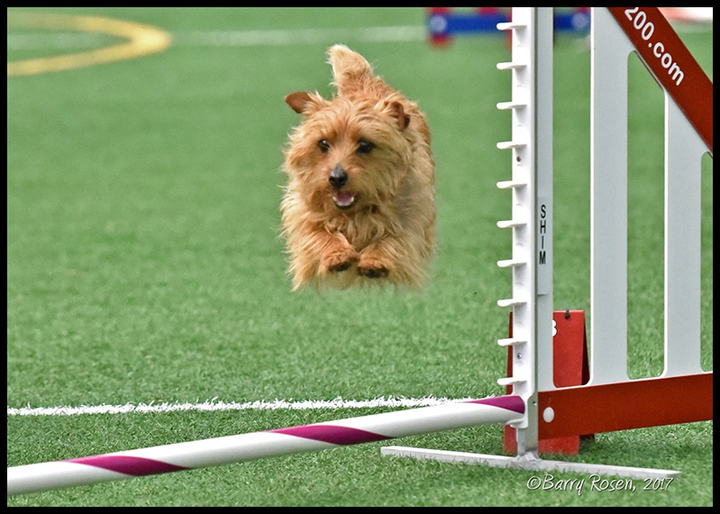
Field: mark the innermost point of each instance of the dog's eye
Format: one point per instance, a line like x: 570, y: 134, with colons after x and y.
x: 364, y: 147
x: 324, y: 145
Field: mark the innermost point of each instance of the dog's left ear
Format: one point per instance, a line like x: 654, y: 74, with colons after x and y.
x: 398, y: 112
x: 302, y: 101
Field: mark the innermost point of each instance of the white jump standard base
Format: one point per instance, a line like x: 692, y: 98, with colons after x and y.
x: 527, y: 462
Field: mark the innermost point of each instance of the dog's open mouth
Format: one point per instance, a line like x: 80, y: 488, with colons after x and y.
x: 344, y: 199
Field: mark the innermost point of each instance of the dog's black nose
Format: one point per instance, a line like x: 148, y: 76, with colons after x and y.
x: 338, y: 177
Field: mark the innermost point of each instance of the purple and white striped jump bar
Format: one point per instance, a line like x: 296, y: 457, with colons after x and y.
x: 258, y: 445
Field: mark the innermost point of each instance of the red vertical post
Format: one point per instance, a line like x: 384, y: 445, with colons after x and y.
x: 570, y: 368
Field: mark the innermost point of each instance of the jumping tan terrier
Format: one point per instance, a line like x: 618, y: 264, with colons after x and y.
x: 359, y: 206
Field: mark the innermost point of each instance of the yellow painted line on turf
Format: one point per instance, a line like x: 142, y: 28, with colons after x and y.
x: 141, y: 40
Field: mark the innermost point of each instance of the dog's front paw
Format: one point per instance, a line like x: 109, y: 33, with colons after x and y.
x: 373, y: 268
x: 338, y: 260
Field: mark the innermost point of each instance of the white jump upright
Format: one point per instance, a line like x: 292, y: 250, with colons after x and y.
x: 531, y: 224
x: 531, y: 108
x: 608, y: 200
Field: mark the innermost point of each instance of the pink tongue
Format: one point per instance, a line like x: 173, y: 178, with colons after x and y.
x: 344, y: 198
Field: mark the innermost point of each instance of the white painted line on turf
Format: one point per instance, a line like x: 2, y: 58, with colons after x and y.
x: 67, y: 40
x: 213, y: 405
x: 299, y: 36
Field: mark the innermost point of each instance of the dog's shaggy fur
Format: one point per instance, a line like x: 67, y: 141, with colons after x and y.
x: 359, y: 206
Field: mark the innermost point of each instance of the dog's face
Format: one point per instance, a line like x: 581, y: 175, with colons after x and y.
x: 348, y: 155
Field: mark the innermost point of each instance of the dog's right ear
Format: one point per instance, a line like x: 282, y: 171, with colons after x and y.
x: 303, y: 102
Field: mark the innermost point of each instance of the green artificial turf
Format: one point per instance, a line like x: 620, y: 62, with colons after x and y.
x: 145, y: 265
